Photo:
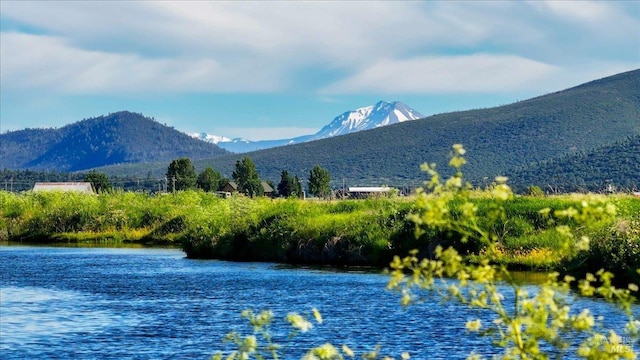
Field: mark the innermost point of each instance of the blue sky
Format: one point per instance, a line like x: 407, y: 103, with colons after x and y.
x: 270, y: 69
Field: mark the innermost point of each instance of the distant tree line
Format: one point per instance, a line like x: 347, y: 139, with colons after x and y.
x: 181, y: 175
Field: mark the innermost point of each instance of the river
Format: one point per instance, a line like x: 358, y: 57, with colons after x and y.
x: 105, y: 303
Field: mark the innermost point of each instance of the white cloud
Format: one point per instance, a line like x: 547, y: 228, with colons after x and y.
x: 473, y: 73
x: 270, y: 30
x: 136, y: 47
x: 597, y: 29
x: 32, y: 61
x: 587, y: 12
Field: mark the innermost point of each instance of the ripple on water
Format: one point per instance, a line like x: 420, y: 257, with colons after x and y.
x: 155, y: 304
x: 33, y: 315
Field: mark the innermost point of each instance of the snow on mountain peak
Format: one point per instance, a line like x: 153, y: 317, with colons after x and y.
x: 210, y: 138
x: 381, y: 114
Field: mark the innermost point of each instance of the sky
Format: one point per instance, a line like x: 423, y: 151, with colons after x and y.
x: 278, y: 69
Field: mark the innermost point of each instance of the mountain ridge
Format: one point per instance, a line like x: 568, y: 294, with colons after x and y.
x: 365, y: 118
x: 120, y: 137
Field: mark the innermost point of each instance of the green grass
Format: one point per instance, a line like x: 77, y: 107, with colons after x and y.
x: 351, y: 232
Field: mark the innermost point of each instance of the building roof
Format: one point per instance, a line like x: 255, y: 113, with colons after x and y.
x: 265, y: 186
x: 84, y: 187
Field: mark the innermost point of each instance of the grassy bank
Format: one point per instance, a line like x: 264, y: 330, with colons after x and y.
x: 206, y: 226
x: 349, y: 232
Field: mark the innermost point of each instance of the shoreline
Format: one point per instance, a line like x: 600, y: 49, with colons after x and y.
x: 309, y: 233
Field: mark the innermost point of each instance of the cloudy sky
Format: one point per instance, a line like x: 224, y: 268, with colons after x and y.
x: 270, y: 69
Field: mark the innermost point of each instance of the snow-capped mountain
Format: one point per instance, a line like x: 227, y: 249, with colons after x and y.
x: 214, y: 139
x: 381, y: 114
x: 366, y: 118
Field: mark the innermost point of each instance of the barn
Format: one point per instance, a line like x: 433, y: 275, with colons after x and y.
x: 232, y: 187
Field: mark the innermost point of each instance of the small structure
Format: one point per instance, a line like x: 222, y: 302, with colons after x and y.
x: 360, y: 192
x: 267, y: 189
x: 82, y: 187
x: 231, y: 187
x: 223, y: 194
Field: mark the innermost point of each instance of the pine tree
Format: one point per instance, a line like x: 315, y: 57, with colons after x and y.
x: 181, y: 175
x: 247, y: 178
x: 209, y: 180
x: 319, y: 182
x: 297, y: 186
x: 287, y: 186
x: 99, y: 181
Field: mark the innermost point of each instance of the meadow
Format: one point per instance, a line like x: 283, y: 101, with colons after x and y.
x: 339, y: 232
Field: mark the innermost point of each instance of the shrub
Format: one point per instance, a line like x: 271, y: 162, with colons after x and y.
x: 535, y: 190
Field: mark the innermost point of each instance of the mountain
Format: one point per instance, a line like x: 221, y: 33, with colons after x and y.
x: 117, y: 138
x: 214, y: 139
x: 499, y: 140
x: 381, y: 114
x: 240, y: 145
x: 367, y: 118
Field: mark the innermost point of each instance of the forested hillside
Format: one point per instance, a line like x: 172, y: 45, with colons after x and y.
x: 117, y: 138
x: 613, y: 167
x: 499, y: 140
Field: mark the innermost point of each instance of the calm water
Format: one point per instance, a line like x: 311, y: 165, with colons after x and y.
x: 101, y: 303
